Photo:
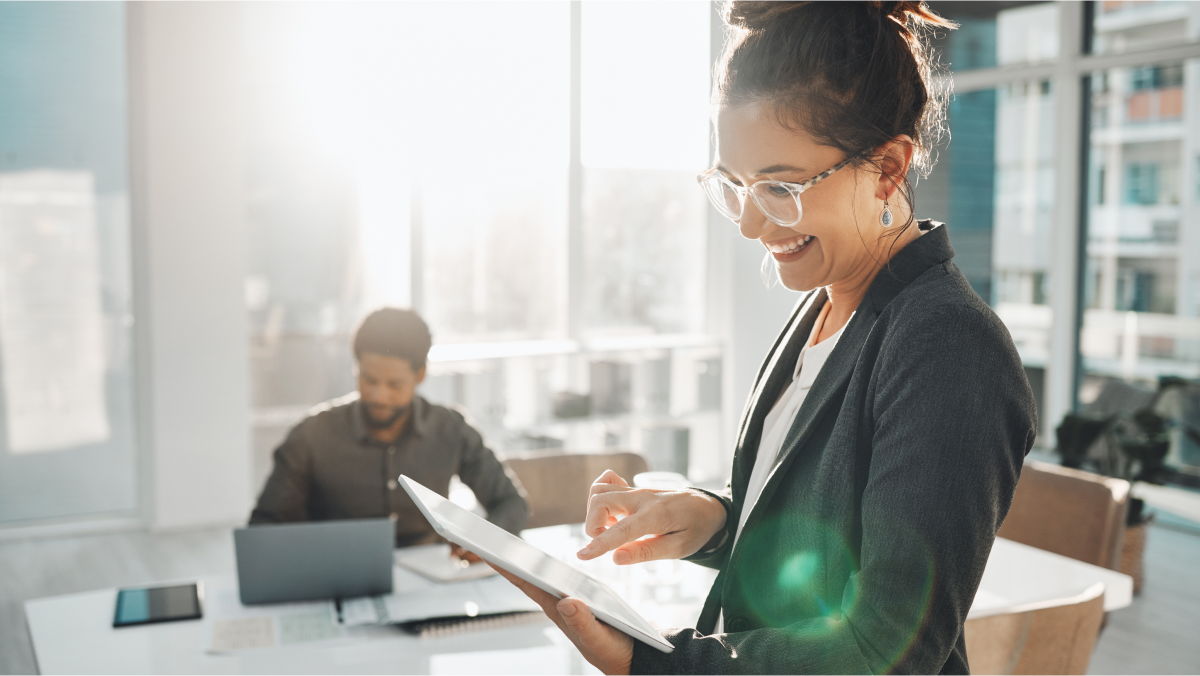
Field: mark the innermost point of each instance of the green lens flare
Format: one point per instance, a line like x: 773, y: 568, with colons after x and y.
x: 799, y: 570
x: 807, y: 576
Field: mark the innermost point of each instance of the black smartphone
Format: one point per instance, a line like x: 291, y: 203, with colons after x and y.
x: 158, y: 604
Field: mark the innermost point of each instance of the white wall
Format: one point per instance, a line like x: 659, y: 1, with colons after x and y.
x: 188, y: 171
x: 748, y: 315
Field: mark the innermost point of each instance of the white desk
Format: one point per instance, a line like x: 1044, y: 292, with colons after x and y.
x: 1018, y: 576
x: 74, y: 634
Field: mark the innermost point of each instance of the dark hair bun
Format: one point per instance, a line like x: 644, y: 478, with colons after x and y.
x: 853, y: 75
x: 756, y: 16
x: 909, y: 14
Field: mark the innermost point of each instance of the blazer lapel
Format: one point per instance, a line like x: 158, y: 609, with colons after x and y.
x: 826, y: 390
x: 778, y: 370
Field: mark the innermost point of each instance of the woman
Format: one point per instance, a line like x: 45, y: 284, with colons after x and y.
x: 885, y: 433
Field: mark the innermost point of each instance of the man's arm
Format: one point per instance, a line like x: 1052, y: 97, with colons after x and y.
x: 494, y: 487
x: 284, y: 498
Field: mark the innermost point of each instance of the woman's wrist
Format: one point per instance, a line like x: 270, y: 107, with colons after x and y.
x: 715, y: 518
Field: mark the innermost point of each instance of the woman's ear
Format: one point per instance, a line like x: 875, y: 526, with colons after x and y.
x: 894, y: 158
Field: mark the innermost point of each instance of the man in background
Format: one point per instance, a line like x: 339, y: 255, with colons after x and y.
x: 343, y: 460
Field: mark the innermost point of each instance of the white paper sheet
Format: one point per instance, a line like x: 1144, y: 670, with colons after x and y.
x: 232, y: 626
x: 436, y: 563
x: 51, y: 321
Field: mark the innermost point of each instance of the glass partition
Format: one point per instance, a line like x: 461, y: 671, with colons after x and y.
x: 67, y: 434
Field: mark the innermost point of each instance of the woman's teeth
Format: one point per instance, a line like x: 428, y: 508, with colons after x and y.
x: 789, y: 246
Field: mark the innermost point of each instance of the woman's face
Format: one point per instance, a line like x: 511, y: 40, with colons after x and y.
x: 752, y: 146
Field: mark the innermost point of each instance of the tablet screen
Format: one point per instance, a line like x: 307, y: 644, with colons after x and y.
x: 156, y: 604
x: 530, y: 563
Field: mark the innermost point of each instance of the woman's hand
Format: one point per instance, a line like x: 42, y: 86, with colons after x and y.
x: 680, y: 522
x: 464, y: 556
x: 609, y: 650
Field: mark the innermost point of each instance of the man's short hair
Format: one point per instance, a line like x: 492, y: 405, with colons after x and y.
x: 394, y: 332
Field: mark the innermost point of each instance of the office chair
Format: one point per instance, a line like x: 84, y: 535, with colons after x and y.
x: 557, y: 483
x: 1069, y: 512
x: 1054, y: 638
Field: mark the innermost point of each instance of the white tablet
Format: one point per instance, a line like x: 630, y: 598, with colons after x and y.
x: 531, y: 564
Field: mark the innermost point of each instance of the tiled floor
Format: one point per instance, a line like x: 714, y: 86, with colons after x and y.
x: 1158, y: 634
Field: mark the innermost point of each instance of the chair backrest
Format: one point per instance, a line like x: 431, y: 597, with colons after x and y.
x: 557, y: 483
x: 1069, y: 512
x: 1055, y: 638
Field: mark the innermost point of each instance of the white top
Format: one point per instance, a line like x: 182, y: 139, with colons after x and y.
x: 779, y: 420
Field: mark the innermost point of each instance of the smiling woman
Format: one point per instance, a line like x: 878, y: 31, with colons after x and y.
x: 834, y: 236
x: 883, y: 439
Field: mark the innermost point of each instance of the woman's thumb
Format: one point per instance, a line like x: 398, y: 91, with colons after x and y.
x: 580, y: 620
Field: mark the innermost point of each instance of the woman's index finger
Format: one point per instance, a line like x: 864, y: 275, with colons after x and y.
x: 605, y: 509
x: 623, y: 532
x: 610, y: 477
x: 599, y: 488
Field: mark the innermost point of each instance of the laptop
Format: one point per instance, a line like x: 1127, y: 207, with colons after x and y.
x: 505, y: 550
x: 278, y: 563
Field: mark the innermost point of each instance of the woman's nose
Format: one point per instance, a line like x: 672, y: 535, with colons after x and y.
x: 753, y: 223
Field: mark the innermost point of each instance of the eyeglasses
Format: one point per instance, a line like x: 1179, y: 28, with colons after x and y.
x: 778, y: 201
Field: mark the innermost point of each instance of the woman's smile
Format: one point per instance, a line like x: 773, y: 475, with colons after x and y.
x: 789, y: 249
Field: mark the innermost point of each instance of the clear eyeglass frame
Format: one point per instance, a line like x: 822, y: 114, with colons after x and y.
x: 768, y: 196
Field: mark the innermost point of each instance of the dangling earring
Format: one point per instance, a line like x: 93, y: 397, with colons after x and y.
x: 885, y: 218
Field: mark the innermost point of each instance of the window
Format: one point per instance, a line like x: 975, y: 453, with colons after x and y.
x: 644, y: 138
x: 1142, y: 183
x: 1021, y: 33
x: 490, y: 161
x: 1134, y: 25
x: 67, y: 433
x: 422, y: 154
x: 1141, y: 323
x: 1137, y: 245
x: 1157, y: 77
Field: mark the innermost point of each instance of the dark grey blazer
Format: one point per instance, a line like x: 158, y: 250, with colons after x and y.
x: 866, y: 547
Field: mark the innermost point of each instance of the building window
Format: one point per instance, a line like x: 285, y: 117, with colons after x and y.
x: 1157, y: 77
x: 1141, y: 183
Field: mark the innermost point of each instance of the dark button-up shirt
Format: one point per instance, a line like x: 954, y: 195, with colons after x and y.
x: 330, y: 467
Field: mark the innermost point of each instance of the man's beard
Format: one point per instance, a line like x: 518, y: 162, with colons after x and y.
x: 377, y: 424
